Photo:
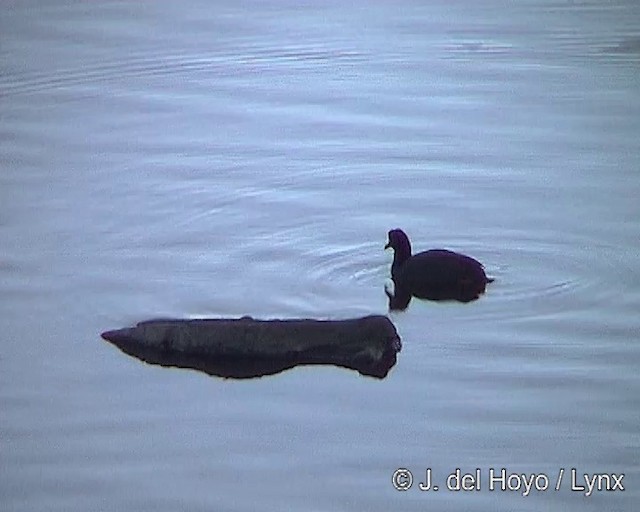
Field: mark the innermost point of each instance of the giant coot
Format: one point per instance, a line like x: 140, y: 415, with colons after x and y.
x: 437, y: 274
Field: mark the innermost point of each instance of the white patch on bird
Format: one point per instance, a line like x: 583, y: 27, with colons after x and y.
x: 390, y: 288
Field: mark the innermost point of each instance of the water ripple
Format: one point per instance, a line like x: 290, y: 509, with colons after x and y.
x: 242, y: 60
x: 545, y: 276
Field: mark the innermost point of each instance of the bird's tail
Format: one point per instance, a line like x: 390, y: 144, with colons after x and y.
x: 490, y: 279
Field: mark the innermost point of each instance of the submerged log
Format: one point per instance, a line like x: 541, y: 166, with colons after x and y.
x: 246, y: 347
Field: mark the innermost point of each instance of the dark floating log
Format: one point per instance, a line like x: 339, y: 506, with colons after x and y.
x: 244, y: 348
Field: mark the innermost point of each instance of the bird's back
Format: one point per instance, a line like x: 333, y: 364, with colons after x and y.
x: 440, y: 274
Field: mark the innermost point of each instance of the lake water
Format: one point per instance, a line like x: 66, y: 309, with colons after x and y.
x: 220, y: 159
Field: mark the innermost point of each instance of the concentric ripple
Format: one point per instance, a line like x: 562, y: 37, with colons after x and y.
x: 541, y: 276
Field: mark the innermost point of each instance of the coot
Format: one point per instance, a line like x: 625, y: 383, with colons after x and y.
x: 437, y: 274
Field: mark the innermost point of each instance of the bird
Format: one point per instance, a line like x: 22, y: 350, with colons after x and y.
x: 436, y: 274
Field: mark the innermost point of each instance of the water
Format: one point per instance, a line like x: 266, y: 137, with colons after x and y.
x: 244, y: 158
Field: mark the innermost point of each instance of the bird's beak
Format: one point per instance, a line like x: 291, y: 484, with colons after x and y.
x: 387, y: 246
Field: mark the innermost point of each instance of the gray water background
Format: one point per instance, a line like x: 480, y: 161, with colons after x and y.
x: 229, y: 158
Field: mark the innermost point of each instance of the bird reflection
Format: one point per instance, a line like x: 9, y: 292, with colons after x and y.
x: 399, y: 298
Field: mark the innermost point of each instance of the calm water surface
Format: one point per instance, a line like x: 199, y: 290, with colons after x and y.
x: 231, y: 158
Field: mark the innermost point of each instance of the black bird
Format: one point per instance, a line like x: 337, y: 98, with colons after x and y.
x: 437, y: 274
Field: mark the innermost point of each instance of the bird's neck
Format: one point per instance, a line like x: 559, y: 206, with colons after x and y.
x: 401, y: 254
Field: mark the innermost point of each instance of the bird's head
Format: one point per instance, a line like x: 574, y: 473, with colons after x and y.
x: 398, y: 241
